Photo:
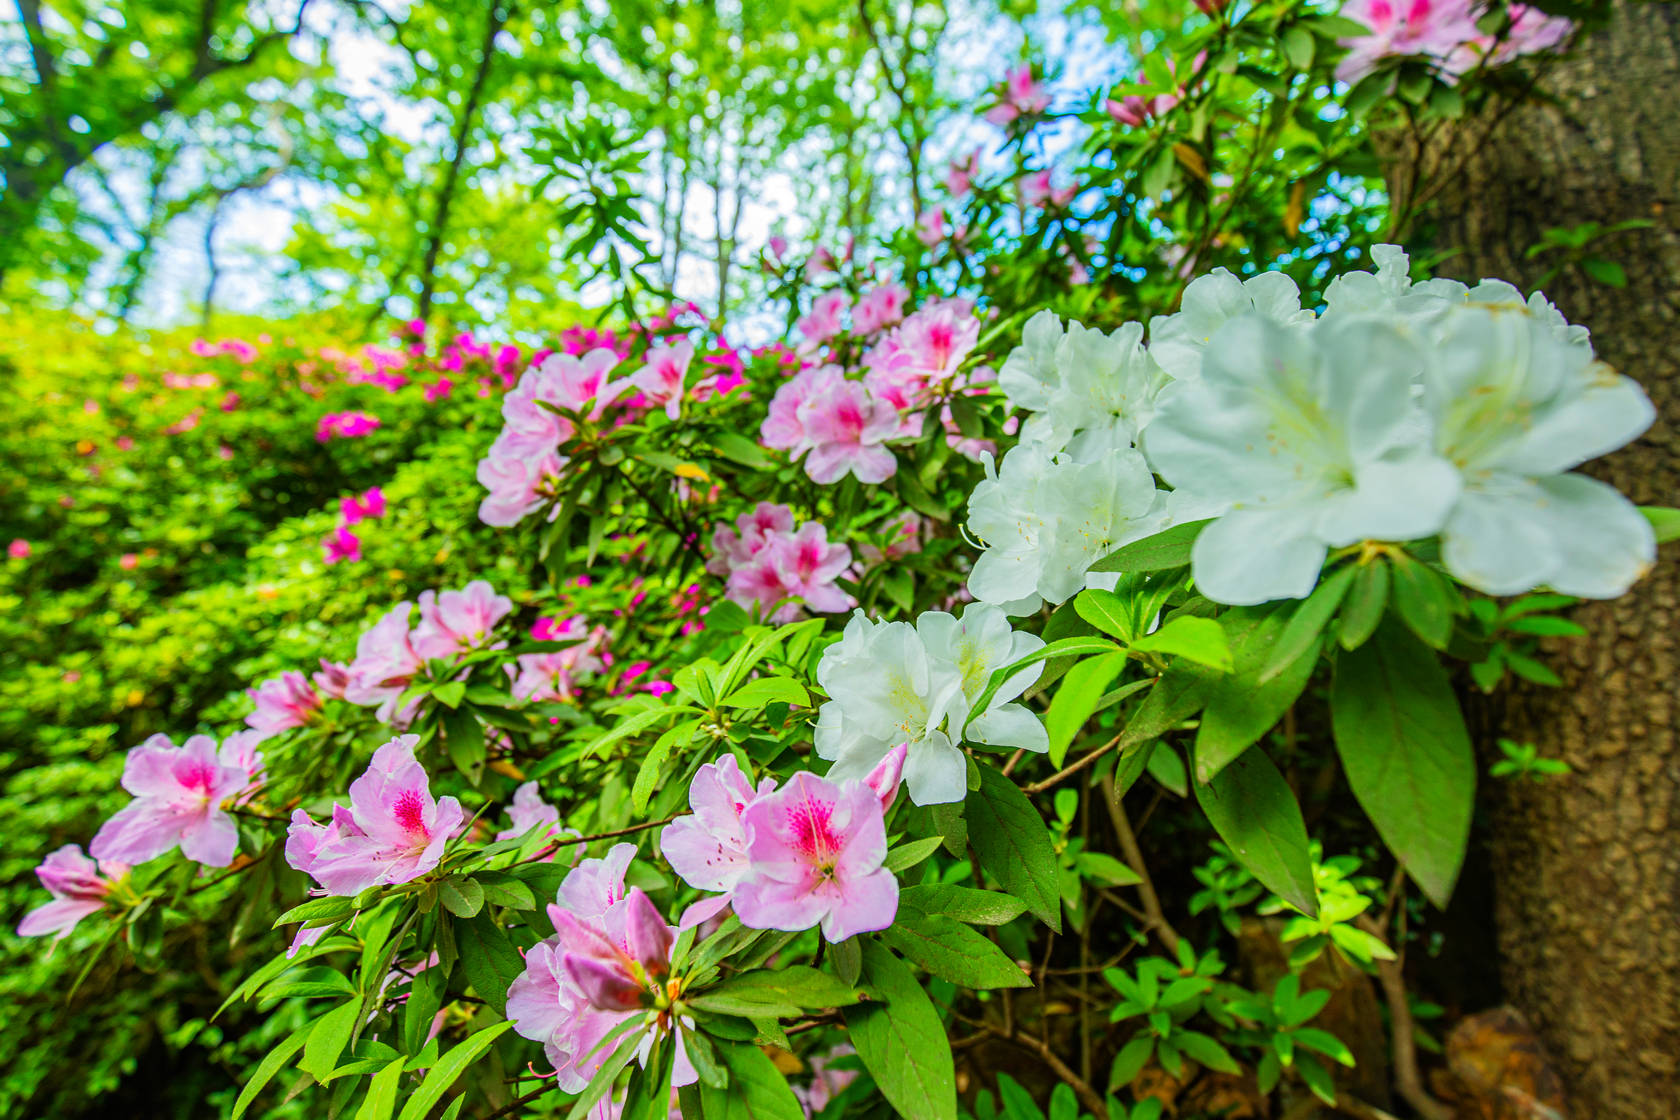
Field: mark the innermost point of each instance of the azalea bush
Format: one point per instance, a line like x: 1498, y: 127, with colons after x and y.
x: 644, y: 723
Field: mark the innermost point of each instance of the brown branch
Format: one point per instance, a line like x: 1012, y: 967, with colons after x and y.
x: 1069, y: 771
x: 1403, y: 1045
x: 1134, y: 857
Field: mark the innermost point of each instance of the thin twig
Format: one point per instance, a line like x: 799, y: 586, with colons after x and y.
x: 1134, y: 857
x: 1067, y: 772
x: 1403, y: 1045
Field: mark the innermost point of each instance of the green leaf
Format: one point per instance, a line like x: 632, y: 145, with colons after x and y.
x: 963, y: 904
x: 1423, y: 598
x: 267, y: 1068
x: 1317, y: 1079
x: 1106, y: 611
x: 502, y: 889
x: 901, y: 1040
x: 1200, y: 1048
x: 317, y: 908
x: 1325, y: 1043
x: 760, y: 693
x: 1308, y: 622
x: 1606, y: 272
x: 774, y: 994
x: 1407, y: 754
x: 425, y: 997
x: 906, y: 856
x: 1252, y: 808
x: 467, y: 748
x: 1014, y: 845
x: 756, y: 1091
x: 450, y: 694
x: 1191, y: 637
x: 636, y: 724
x: 1665, y: 522
x: 1077, y: 646
x: 1130, y: 1061
x: 1363, y: 608
x: 489, y: 959
x: 1077, y: 696
x: 461, y: 897
x: 449, y: 1067
x: 1239, y: 708
x: 328, y: 1038
x: 954, y: 952
x: 739, y: 449
x: 1169, y: 548
x: 381, y: 1099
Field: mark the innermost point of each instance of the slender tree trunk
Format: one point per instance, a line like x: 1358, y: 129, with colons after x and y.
x: 1588, y: 866
x: 495, y: 18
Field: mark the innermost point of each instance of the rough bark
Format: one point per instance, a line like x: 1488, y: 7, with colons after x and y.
x: 1587, y: 867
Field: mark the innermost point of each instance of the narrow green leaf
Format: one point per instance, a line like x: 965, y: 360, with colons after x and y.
x: 774, y: 994
x: 764, y: 691
x: 449, y: 1067
x: 902, y: 1039
x: 964, y: 904
x: 1169, y: 548
x: 1014, y: 845
x: 1308, y: 622
x: 1254, y: 811
x: 381, y: 1099
x: 328, y: 1038
x: 906, y: 856
x: 757, y: 1089
x: 1240, y: 709
x: 954, y: 952
x: 1193, y: 638
x: 1106, y: 611
x: 267, y: 1068
x: 1077, y: 696
x: 1407, y: 754
x: 1423, y: 598
x: 1363, y: 607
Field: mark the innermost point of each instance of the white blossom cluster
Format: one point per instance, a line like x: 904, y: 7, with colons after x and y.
x: 894, y: 682
x: 1404, y: 411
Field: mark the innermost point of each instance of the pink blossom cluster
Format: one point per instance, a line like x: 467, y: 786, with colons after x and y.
x: 343, y: 543
x: 608, y: 958
x: 189, y: 381
x: 1036, y: 190
x: 392, y: 654
x: 1446, y: 33
x: 283, y: 702
x: 841, y: 425
x: 1137, y: 110
x: 239, y: 348
x: 1020, y: 96
x: 394, y: 830
x: 181, y: 799
x: 776, y: 568
x: 933, y: 228
x: 809, y: 853
x: 555, y: 675
x: 960, y: 174
x: 79, y: 887
x: 522, y: 470
x: 345, y: 425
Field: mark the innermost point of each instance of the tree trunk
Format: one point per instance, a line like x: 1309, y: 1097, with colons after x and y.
x: 1587, y: 866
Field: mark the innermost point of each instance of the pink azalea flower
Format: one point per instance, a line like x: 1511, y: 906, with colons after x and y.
x: 385, y: 664
x: 128, y: 561
x: 930, y: 226
x: 454, y: 622
x: 1430, y: 28
x: 823, y: 323
x: 554, y: 676
x: 393, y: 832
x: 708, y: 848
x: 816, y: 850
x: 610, y: 949
x: 528, y: 811
x: 846, y: 428
x: 518, y: 487
x: 79, y: 887
x: 734, y: 547
x: 356, y: 508
x: 179, y: 793
x: 826, y: 1081
x: 19, y: 549
x: 332, y: 679
x: 282, y: 702
x: 959, y: 177
x: 438, y: 390
x: 661, y: 379
x: 880, y: 307
x: 342, y: 544
x: 346, y: 425
x: 1020, y: 95
x: 801, y: 567
x: 1036, y: 190
x: 784, y: 425
x: 903, y: 535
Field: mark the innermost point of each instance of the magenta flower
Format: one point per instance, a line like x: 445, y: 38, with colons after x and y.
x: 555, y: 675
x: 959, y: 176
x: 282, y: 702
x: 179, y: 793
x: 79, y: 887
x: 1020, y: 94
x: 18, y: 549
x: 708, y: 848
x: 846, y: 427
x: 360, y: 507
x: 816, y: 850
x: 930, y: 226
x: 341, y: 544
x: 347, y: 425
x: 661, y: 379
x: 1433, y: 29
x: 332, y: 678
x: 800, y: 567
x: 1036, y: 190
x: 609, y: 950
x: 385, y: 665
x: 393, y: 832
x: 784, y: 425
x: 734, y: 547
x: 454, y: 622
x: 518, y: 487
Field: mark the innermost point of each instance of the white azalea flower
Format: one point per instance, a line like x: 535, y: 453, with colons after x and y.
x: 1517, y: 400
x: 979, y: 644
x: 1304, y: 440
x: 892, y: 683
x: 1389, y: 291
x: 1045, y: 519
x: 1030, y: 374
x: 1179, y: 341
x: 1106, y: 393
